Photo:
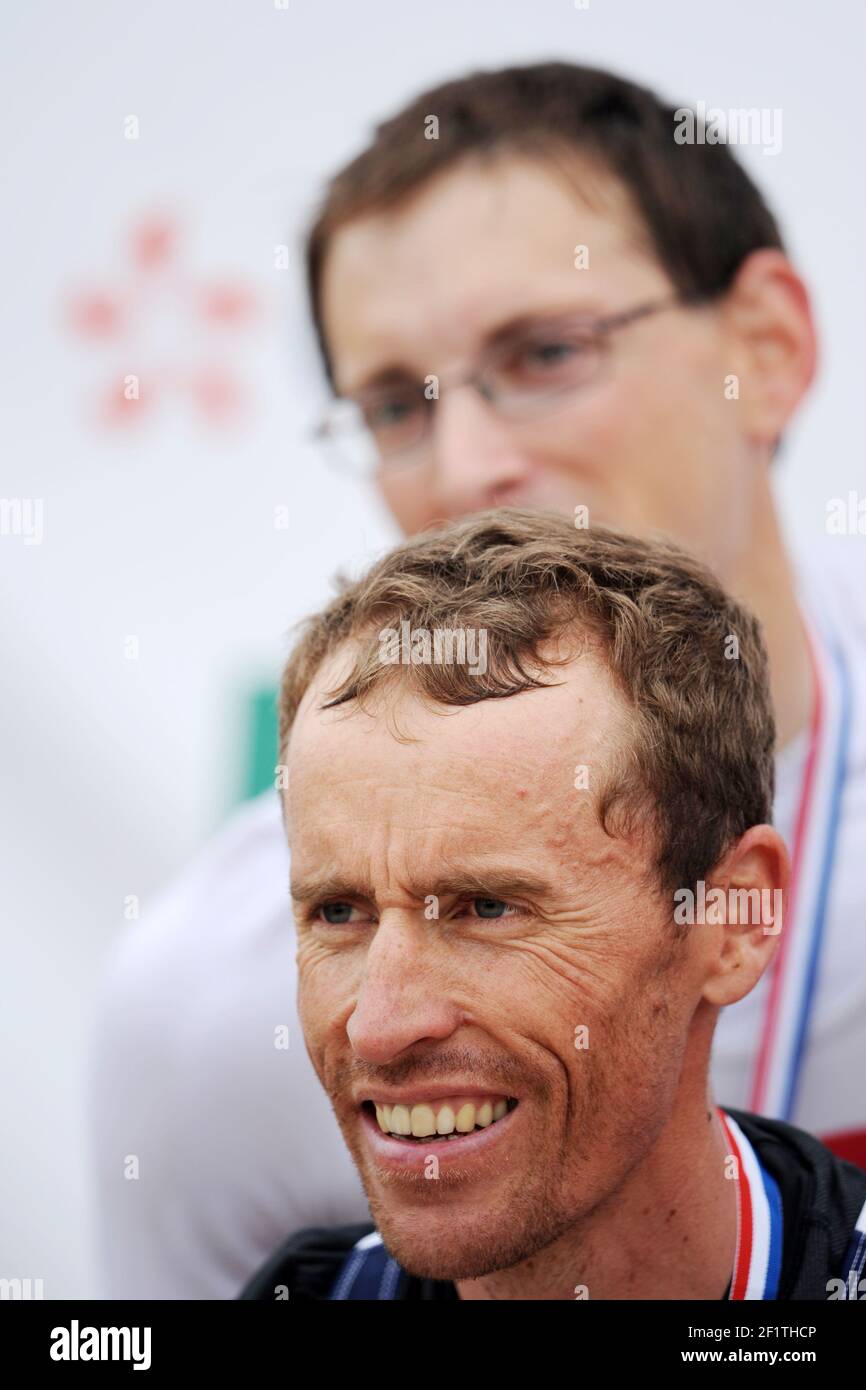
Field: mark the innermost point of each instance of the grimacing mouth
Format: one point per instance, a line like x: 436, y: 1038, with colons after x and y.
x: 438, y: 1121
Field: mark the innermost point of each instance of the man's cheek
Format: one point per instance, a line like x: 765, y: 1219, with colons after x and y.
x: 317, y: 1007
x: 326, y: 996
x: 563, y: 977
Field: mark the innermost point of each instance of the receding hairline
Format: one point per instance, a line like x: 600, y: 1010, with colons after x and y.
x: 701, y: 766
x: 574, y: 641
x: 611, y: 752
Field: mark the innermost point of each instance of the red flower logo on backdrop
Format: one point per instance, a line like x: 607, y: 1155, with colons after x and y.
x: 173, y: 335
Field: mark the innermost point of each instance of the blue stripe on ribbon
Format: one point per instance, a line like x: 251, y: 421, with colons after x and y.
x: 368, y: 1272
x: 855, y: 1257
x: 839, y: 775
x: 774, y: 1254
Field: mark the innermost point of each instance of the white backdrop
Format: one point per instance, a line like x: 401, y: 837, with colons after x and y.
x: 162, y: 527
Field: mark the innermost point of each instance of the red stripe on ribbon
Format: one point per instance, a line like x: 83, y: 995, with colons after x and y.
x: 743, y: 1252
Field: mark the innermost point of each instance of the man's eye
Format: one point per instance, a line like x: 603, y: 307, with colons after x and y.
x: 491, y: 907
x: 551, y: 352
x: 544, y: 357
x: 561, y: 360
x: 390, y: 412
x: 337, y: 914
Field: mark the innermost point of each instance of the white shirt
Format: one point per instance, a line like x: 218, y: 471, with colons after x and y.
x: 831, y: 1095
x: 235, y: 1140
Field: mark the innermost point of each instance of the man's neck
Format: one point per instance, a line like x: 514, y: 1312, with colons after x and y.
x: 765, y: 582
x: 669, y: 1232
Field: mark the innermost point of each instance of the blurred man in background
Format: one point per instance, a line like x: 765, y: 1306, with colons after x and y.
x: 527, y: 291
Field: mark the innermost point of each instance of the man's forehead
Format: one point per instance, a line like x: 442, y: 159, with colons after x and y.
x: 527, y: 217
x: 401, y: 738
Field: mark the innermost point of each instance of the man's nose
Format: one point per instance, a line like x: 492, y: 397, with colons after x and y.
x: 477, y: 459
x: 399, y: 1003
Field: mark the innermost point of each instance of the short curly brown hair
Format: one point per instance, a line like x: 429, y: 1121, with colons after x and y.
x: 690, y: 661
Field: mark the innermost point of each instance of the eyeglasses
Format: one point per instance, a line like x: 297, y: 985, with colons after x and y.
x: 527, y: 373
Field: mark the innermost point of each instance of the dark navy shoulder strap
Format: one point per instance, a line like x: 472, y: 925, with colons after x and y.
x: 369, y: 1272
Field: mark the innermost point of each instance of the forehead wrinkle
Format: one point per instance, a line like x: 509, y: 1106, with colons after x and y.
x: 339, y: 773
x: 561, y: 838
x: 489, y: 748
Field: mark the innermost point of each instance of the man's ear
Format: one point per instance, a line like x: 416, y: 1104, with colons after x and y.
x: 754, y: 877
x: 772, y: 340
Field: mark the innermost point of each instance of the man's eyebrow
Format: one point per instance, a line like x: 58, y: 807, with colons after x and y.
x: 396, y: 373
x: 313, y: 889
x: 522, y: 323
x: 390, y: 374
x: 495, y: 882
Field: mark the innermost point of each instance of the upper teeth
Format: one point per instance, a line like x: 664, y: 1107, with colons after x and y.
x: 440, y: 1117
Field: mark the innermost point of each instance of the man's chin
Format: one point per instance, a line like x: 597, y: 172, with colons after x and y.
x: 445, y: 1255
x: 463, y: 1243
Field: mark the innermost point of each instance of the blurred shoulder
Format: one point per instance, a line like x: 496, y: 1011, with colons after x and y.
x: 237, y: 883
x: 831, y: 577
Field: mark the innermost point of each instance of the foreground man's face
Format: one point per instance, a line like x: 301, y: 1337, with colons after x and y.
x: 652, y: 444
x: 546, y: 937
